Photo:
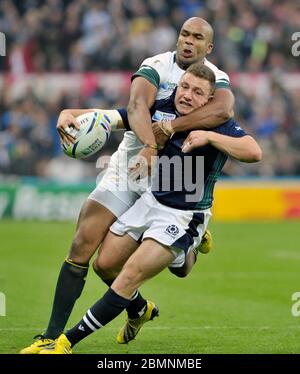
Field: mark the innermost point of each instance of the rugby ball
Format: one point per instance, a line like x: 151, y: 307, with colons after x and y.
x: 94, y: 132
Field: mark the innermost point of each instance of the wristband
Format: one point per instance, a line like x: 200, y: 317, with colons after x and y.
x: 153, y: 146
x: 160, y: 125
x: 167, y: 128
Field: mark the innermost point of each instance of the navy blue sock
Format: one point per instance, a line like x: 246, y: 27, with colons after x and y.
x: 69, y: 286
x: 137, y: 302
x: 137, y: 306
x: 102, y: 312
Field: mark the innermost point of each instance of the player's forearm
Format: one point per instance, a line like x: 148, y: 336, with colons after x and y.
x: 204, y: 118
x: 113, y: 115
x: 140, y: 121
x: 244, y: 149
x: 217, y: 111
x: 77, y: 112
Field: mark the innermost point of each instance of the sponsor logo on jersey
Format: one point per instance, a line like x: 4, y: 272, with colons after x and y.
x: 169, y: 86
x: 162, y: 116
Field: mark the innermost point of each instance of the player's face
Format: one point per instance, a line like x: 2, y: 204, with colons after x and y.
x: 194, y: 43
x: 192, y: 93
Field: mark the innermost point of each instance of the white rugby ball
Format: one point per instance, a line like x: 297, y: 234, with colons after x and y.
x: 94, y: 132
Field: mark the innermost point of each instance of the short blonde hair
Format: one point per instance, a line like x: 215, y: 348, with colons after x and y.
x: 200, y: 70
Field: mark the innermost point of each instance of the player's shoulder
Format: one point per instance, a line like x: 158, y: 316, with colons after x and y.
x: 166, y: 58
x: 156, y: 68
x: 213, y: 67
x: 230, y: 127
x: 220, y: 74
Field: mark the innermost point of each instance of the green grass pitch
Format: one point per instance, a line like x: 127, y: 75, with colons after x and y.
x: 236, y: 300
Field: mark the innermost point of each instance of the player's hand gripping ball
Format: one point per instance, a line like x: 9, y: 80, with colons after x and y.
x: 94, y: 132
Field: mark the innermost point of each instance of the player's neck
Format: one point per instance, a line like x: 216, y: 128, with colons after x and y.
x: 184, y: 66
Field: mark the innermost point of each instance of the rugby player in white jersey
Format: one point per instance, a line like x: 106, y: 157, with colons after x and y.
x: 165, y: 223
x: 156, y: 77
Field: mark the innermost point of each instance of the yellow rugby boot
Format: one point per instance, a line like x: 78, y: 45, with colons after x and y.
x: 206, y: 243
x: 132, y: 326
x: 37, y: 346
x: 62, y: 347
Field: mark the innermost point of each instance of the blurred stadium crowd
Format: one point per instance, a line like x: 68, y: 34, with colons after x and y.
x: 54, y: 36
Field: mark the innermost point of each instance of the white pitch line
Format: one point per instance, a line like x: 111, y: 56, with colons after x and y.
x: 286, y: 255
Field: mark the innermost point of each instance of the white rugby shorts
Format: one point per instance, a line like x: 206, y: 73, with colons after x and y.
x: 180, y: 230
x: 115, y: 190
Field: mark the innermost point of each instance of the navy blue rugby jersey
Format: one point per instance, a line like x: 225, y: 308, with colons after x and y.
x: 186, y: 180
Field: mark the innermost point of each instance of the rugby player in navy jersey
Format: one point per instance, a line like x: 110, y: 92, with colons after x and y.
x: 156, y: 79
x: 164, y: 225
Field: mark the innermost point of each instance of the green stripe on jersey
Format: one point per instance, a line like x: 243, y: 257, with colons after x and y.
x: 207, y: 199
x: 222, y: 83
x: 148, y: 73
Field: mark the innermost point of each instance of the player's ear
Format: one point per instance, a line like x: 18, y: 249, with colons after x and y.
x: 210, y: 47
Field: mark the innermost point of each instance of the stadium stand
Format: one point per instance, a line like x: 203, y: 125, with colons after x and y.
x: 50, y: 41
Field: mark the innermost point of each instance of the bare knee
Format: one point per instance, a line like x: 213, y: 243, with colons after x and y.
x: 113, y: 254
x: 83, y: 247
x: 105, y: 270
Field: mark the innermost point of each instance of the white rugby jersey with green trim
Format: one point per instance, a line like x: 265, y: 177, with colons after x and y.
x: 164, y: 73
